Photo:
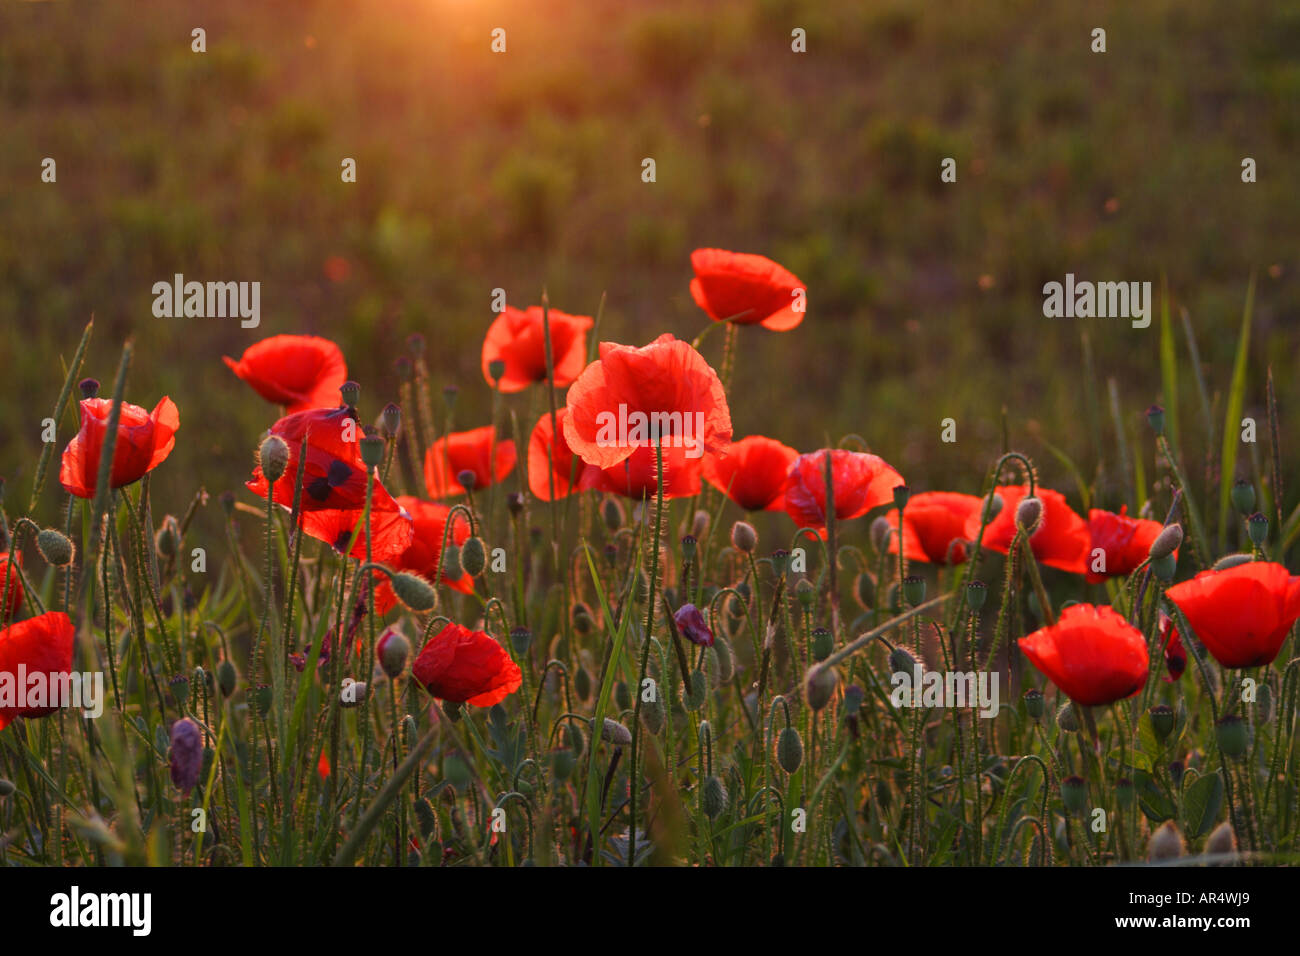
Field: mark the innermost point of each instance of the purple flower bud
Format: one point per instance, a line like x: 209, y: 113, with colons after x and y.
x: 690, y: 621
x: 187, y: 754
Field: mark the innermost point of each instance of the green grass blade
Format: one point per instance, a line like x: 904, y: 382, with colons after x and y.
x: 1232, y: 415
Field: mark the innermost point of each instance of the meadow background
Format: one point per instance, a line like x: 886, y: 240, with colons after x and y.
x: 522, y: 170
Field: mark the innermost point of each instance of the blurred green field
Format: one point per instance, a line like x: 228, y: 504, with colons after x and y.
x: 522, y: 170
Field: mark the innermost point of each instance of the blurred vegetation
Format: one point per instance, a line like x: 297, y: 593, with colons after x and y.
x: 522, y: 170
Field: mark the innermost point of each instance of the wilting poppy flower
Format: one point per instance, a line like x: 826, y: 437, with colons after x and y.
x: 1061, y: 540
x: 690, y: 622
x: 637, y: 476
x: 552, y: 463
x: 14, y: 585
x: 466, y: 667
x: 747, y: 289
x: 861, y: 481
x: 934, y: 526
x: 477, y: 450
x: 1241, y: 614
x: 38, y: 645
x: 631, y: 396
x: 424, y: 555
x: 752, y: 472
x: 516, y: 338
x: 298, y: 371
x: 1092, y: 654
x: 144, y: 440
x: 1175, y: 653
x: 1123, y: 541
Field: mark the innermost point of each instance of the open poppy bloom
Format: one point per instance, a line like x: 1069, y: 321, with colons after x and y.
x: 39, y: 645
x: 297, y: 371
x: 1123, y: 541
x: 477, y: 450
x: 144, y: 440
x: 10, y: 579
x: 1061, y: 540
x: 630, y: 398
x: 424, y: 554
x: 1092, y: 654
x: 1241, y: 614
x: 934, y: 526
x: 1175, y: 653
x: 752, y: 472
x: 861, y: 481
x: 517, y: 338
x: 637, y: 476
x: 552, y: 463
x: 747, y: 289
x: 466, y: 667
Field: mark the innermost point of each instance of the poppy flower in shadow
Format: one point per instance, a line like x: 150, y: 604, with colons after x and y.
x: 1061, y: 540
x: 747, y: 289
x: 552, y: 465
x: 861, y: 481
x: 517, y: 338
x: 1241, y: 614
x: 752, y: 472
x: 477, y: 450
x: 297, y: 371
x: 144, y: 440
x: 39, y: 645
x: 1092, y: 654
x: 466, y: 667
x: 934, y: 526
x: 637, y: 476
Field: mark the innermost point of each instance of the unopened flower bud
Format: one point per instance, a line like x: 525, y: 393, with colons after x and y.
x: 713, y: 797
x: 611, y: 512
x: 1166, y: 843
x: 700, y: 524
x: 1067, y: 718
x: 55, y: 547
x: 273, y: 456
x: 819, y: 686
x: 1222, y: 841
x: 451, y: 566
x: 1233, y: 735
x: 414, y: 591
x: 7, y: 788
x: 789, y: 750
x: 226, y: 677
x: 1243, y: 496
x: 1165, y: 567
x: 993, y: 506
x: 1232, y: 560
x: 901, y: 661
x: 352, y: 693
x: 743, y: 537
x: 392, y: 650
x: 879, y: 534
x: 1166, y: 542
x: 473, y: 556
x: 615, y: 733
x: 1029, y: 513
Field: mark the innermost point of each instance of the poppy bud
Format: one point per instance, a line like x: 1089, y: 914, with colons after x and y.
x: 562, y: 763
x: 622, y: 696
x: 615, y: 733
x: 1243, y: 496
x: 1028, y: 514
x: 1264, y: 704
x: 415, y: 343
x: 744, y: 537
x: 467, y: 479
x: 1162, y: 720
x: 451, y: 566
x: 653, y: 715
x: 582, y: 683
x: 7, y: 789
x: 352, y: 693
x: 689, y: 545
x: 1156, y: 419
x: 1232, y: 560
x: 806, y: 593
x: 822, y: 644
x: 1222, y: 841
x: 977, y: 593
x: 1233, y: 735
x: 1166, y: 843
x: 713, y: 797
x: 392, y: 650
x: 726, y: 659
x: 89, y: 387
x: 167, y: 542
x: 1257, y: 526
x: 521, y: 638
x: 449, y: 393
x: 696, y: 690
x: 226, y: 677
x: 789, y: 750
x: 273, y: 456
x: 1067, y: 718
x: 350, y: 392
x: 414, y: 592
x: 186, y: 754
x: 819, y: 686
x: 891, y: 598
x: 611, y: 512
x: 582, y: 618
x: 993, y: 506
x: 1034, y: 703
x: 880, y: 531
x: 853, y: 697
x: 473, y: 556
x: 901, y: 661
x: 914, y: 590
x: 641, y: 587
x: 865, y: 589
x: 1124, y: 792
x: 1165, y: 567
x: 1166, y: 542
x: 55, y: 547
x: 700, y: 524
x: 496, y: 368
x: 1074, y: 794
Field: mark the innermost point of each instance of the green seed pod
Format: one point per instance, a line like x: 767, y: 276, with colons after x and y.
x: 179, y: 687
x: 1074, y: 794
x: 1162, y: 720
x: 495, y: 369
x: 1067, y: 718
x: 789, y: 750
x: 806, y: 593
x: 977, y: 593
x: 273, y: 456
x: 414, y: 592
x: 823, y: 642
x: 55, y: 548
x: 713, y: 797
x: 576, y: 738
x: 582, y: 684
x: 819, y: 686
x: 226, y: 677
x: 689, y: 547
x: 696, y: 690
x: 392, y: 419
x: 473, y: 556
x: 1233, y: 735
x: 1243, y: 496
x: 1166, y: 542
x: 1034, y: 704
x: 1257, y: 528
x: 743, y: 537
x: 521, y: 638
x: 350, y: 393
x: 914, y: 590
x: 582, y: 621
x: 263, y: 697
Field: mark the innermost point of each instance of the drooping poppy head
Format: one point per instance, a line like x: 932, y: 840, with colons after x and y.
x: 747, y: 289
x: 11, y: 599
x: 692, y: 625
x: 144, y: 440
x: 861, y: 482
x: 637, y: 476
x: 552, y: 463
x: 1061, y: 540
x: 1092, y: 654
x: 38, y: 645
x: 631, y: 397
x: 752, y: 472
x: 466, y: 667
x: 297, y: 371
x: 1175, y: 653
x: 934, y: 526
x: 1241, y: 614
x: 516, y: 337
x: 478, y: 450
x: 424, y: 554
x: 1118, y: 543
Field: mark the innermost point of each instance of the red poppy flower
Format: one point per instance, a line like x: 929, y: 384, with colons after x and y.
x: 1061, y: 540
x: 392, y: 530
x: 467, y: 451
x: 144, y: 440
x: 323, y: 765
x: 752, y: 472
x: 861, y: 481
x: 517, y: 338
x: 746, y: 289
x: 1092, y: 654
x: 636, y: 477
x: 1124, y: 542
x: 569, y: 472
x: 1175, y: 653
x: 298, y: 371
x: 424, y: 555
x: 1241, y: 614
x: 466, y: 667
x: 932, y: 522
x: 624, y: 398
x: 14, y: 585
x: 38, y: 645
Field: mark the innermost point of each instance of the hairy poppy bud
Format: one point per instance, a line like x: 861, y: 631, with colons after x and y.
x: 993, y: 506
x: 700, y: 524
x: 1034, y: 703
x: 55, y: 547
x: 226, y: 677
x: 521, y: 638
x: 352, y: 693
x: 820, y: 685
x: 350, y: 392
x: 1074, y: 794
x: 880, y: 532
x: 562, y: 763
x: 1243, y: 496
x: 1166, y: 843
x: 1067, y: 718
x: 611, y: 512
x: 713, y: 797
x: 167, y: 542
x: 473, y: 556
x: 273, y: 456
x: 1156, y: 419
x: 806, y: 592
x: 1232, y: 560
x: 496, y: 368
x: 1233, y: 735
x: 615, y: 733
x: 913, y: 590
x: 1222, y: 841
x: 901, y: 661
x: 1166, y: 542
x: 582, y: 683
x: 1165, y: 567
x: 1162, y: 720
x: 582, y: 618
x: 1257, y: 526
x: 977, y: 593
x: 726, y: 659
x: 622, y: 696
x: 864, y: 586
x: 414, y: 592
x: 1028, y: 514
x: 653, y: 715
x: 789, y: 750
x: 696, y: 690
x: 823, y: 642
x: 392, y: 650
x: 186, y: 754
x: 744, y: 537
x: 7, y: 789
x: 451, y: 566
x: 89, y: 387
